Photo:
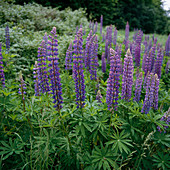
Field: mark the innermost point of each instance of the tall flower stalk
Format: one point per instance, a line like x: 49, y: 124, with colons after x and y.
x: 94, y: 60
x: 115, y: 37
x: 126, y: 41
x: 103, y: 63
x: 101, y: 24
x: 138, y: 48
x: 54, y: 74
x: 127, y: 78
x: 69, y: 58
x: 42, y: 68
x: 158, y: 63
x: 155, y: 92
x: 147, y: 65
x: 167, y: 46
x: 22, y: 92
x: 36, y: 81
x: 78, y: 72
x: 148, y: 101
x: 2, y: 76
x: 138, y: 87
x: 113, y: 81
x: 89, y: 49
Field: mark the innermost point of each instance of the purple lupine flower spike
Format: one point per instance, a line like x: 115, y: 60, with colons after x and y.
x: 110, y: 35
x: 92, y: 26
x: 127, y: 78
x: 138, y: 48
x: 69, y: 57
x: 165, y: 118
x: 7, y: 37
x: 101, y: 24
x: 155, y: 92
x: 150, y: 83
x: 95, y: 29
x: 115, y: 37
x: 103, y: 37
x: 103, y: 63
x: 135, y: 34
x: 99, y: 96
x: 159, y: 46
x: 2, y: 76
x: 119, y: 51
x: 143, y: 61
x: 133, y: 49
x: 149, y: 45
x: 37, y: 82
x: 89, y: 49
x: 84, y: 31
x: 167, y: 68
x: 113, y: 81
x: 94, y: 60
x: 147, y: 67
x: 81, y: 26
x: 138, y: 87
x: 158, y: 63
x: 153, y: 54
x: 167, y: 46
x: 42, y: 68
x: 137, y: 55
x: 22, y: 87
x: 106, y: 50
x: 78, y: 72
x: 54, y: 74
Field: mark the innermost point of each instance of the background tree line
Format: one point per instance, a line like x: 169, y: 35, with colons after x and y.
x: 147, y: 15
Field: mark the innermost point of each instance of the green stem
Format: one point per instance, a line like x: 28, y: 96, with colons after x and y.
x: 65, y: 131
x: 110, y: 121
x: 28, y: 119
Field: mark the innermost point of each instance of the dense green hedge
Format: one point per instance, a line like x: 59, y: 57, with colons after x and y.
x: 145, y: 14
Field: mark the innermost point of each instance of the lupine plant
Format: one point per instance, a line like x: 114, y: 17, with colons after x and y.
x: 78, y: 73
x: 138, y: 87
x: 126, y: 41
x: 2, y: 76
x: 113, y: 81
x: 54, y: 70
x: 68, y: 59
x: 165, y: 118
x: 127, y: 79
x: 74, y: 110
x: 101, y: 24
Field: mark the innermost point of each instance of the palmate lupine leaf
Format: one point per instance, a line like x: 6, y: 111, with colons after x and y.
x: 161, y: 138
x: 162, y: 161
x: 120, y: 142
x: 104, y: 158
x: 13, y: 148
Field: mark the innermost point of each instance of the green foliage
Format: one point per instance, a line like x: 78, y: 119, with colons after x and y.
x: 120, y: 142
x: 162, y: 161
x: 143, y: 14
x: 13, y: 148
x: 39, y: 137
